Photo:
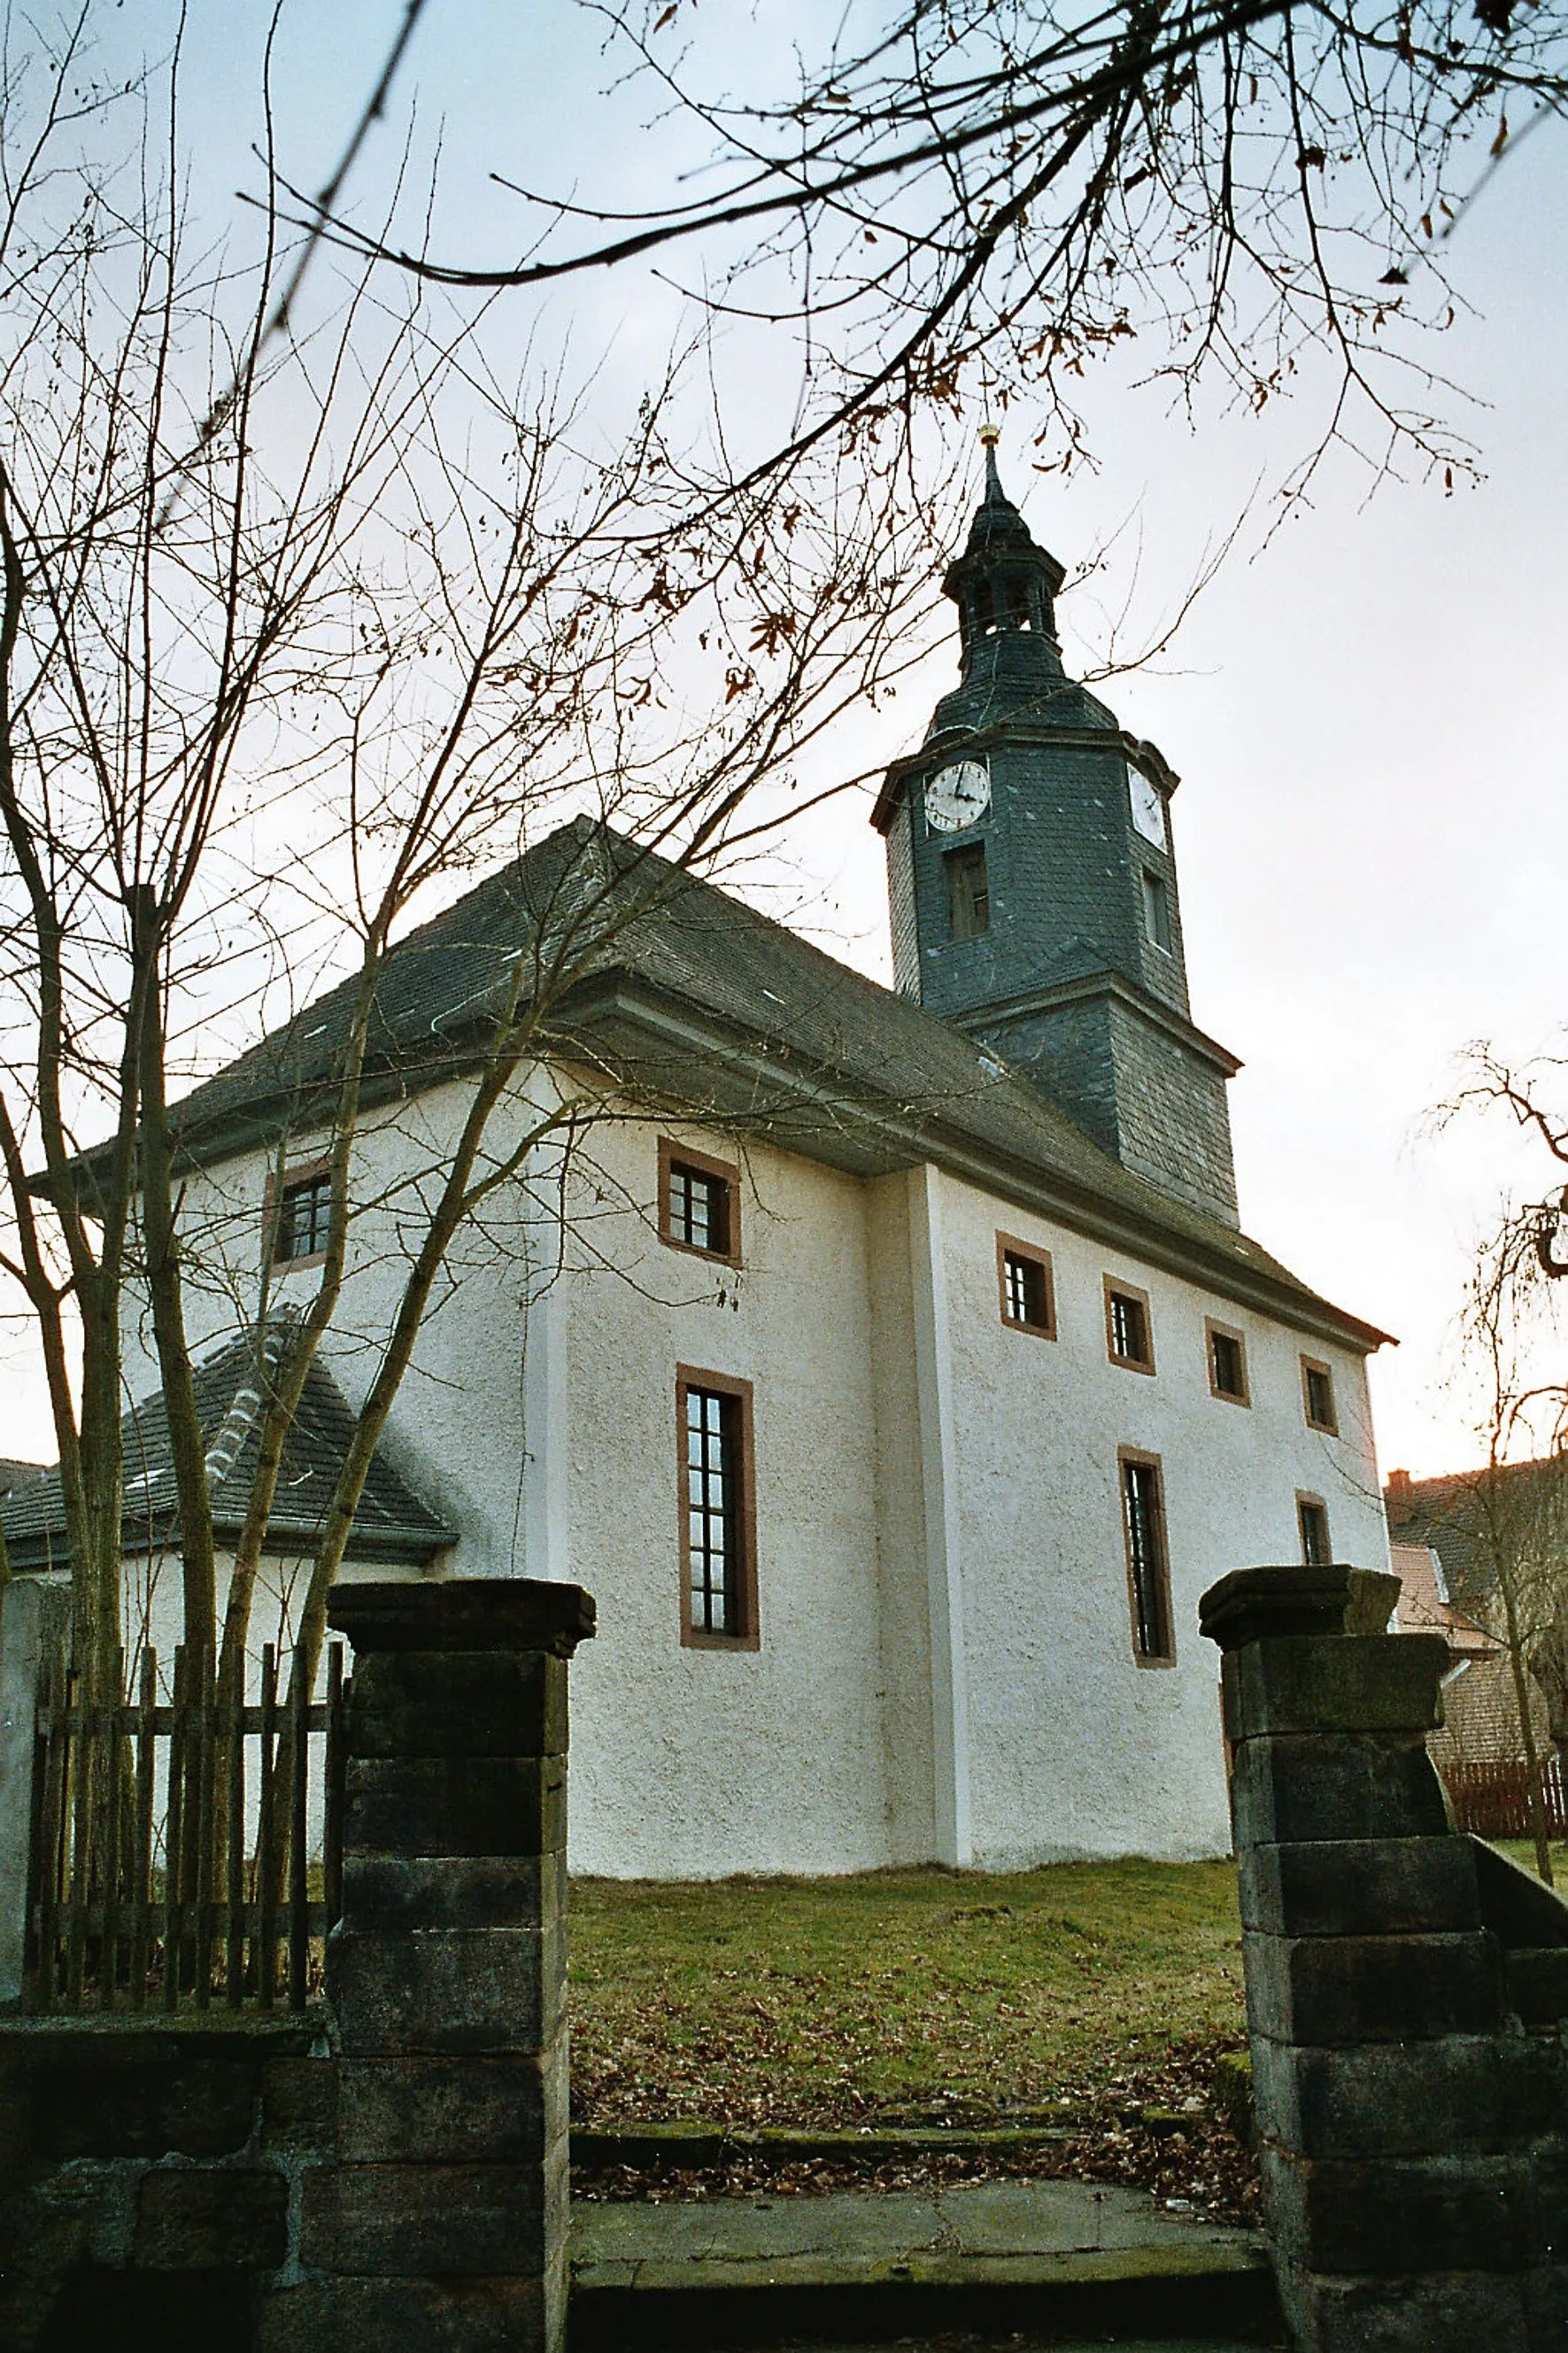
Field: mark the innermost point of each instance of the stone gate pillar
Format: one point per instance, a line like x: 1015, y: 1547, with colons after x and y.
x: 1406, y: 1990
x: 442, y: 2223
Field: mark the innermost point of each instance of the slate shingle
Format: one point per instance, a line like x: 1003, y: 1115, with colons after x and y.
x: 392, y: 1523
x: 836, y: 1048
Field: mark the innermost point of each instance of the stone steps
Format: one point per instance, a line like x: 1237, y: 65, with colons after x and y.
x: 1060, y: 2258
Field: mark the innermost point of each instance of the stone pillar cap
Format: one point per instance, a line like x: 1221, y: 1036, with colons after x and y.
x: 1252, y: 1603
x: 465, y: 1613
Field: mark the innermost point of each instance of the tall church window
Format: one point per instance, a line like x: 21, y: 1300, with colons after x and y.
x: 1228, y: 1362
x: 1312, y: 1519
x: 304, y: 1216
x: 968, y: 892
x: 1148, y: 1562
x: 717, y: 1516
x: 1129, y: 1332
x: 1024, y: 1277
x: 1157, y: 911
x: 698, y: 1203
x: 1318, y: 1397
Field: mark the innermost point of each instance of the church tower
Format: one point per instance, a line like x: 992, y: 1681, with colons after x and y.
x: 1032, y: 877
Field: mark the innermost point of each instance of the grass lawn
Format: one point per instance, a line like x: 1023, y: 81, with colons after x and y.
x: 1522, y: 1851
x: 903, y: 1996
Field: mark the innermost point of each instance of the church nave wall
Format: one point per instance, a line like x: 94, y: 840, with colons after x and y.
x: 1074, y: 1746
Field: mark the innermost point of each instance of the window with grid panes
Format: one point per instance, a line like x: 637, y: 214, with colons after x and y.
x: 303, y: 1218
x: 1148, y: 1567
x: 713, y: 1519
x: 1228, y: 1366
x: 1024, y: 1281
x: 1314, y: 1520
x: 698, y: 1208
x: 1318, y: 1384
x: 1129, y: 1328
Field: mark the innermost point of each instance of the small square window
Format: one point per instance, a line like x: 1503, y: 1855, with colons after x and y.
x: 1024, y: 1274
x: 304, y: 1217
x: 968, y: 892
x: 1227, y: 1363
x: 1128, y: 1331
x: 1312, y: 1517
x: 1148, y: 1560
x: 698, y: 1203
x: 1318, y: 1397
x: 1157, y: 911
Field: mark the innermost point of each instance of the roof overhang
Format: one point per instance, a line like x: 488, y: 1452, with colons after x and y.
x: 1105, y: 983
x: 653, y: 1041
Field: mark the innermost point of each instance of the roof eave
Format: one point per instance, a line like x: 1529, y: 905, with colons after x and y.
x: 874, y: 1139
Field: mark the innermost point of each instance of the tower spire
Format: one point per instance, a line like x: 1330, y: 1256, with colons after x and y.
x: 1005, y: 585
x: 990, y: 434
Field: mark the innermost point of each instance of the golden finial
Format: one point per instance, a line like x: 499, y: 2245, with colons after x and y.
x: 989, y: 436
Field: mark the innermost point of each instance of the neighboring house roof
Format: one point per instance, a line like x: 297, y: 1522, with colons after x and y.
x: 690, y: 997
x: 1448, y: 1516
x: 391, y: 1523
x: 16, y: 1474
x: 1425, y: 1605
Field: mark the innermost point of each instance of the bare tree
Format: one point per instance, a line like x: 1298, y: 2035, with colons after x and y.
x: 1000, y: 191
x: 295, y: 631
x: 1515, y: 1507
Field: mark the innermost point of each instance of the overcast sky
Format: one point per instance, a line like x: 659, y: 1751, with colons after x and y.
x: 1368, y: 711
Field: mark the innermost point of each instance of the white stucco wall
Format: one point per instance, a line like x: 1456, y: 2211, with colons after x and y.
x: 694, y: 1763
x: 945, y: 1664
x: 1076, y: 1748
x: 459, y: 1433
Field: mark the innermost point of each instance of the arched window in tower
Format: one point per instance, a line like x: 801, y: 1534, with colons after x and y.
x: 1019, y: 603
x: 985, y: 608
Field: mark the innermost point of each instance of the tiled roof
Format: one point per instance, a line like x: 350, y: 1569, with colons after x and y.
x: 13, y: 1473
x: 1424, y: 1607
x: 829, y: 1061
x: 1449, y: 1514
x: 391, y: 1523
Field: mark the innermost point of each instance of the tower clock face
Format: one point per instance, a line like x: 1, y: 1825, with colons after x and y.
x: 958, y: 796
x: 1148, y: 808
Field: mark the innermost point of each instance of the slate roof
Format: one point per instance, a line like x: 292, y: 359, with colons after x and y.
x: 687, y: 993
x: 391, y: 1523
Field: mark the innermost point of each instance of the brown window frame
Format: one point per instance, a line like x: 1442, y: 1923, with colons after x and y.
x: 747, y: 1635
x: 1213, y: 1329
x: 1114, y: 1286
x: 1306, y: 1503
x: 1011, y: 1246
x: 1331, y: 1428
x: 1129, y: 1458
x: 672, y: 1155
x: 309, y: 1172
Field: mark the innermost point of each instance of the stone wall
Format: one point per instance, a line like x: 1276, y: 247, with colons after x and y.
x: 1407, y: 1989
x: 391, y: 2170
x: 152, y: 2175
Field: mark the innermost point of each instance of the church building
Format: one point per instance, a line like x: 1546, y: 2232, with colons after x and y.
x: 890, y: 1365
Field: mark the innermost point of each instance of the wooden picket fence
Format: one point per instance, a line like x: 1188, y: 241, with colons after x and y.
x: 150, y: 1822
x: 1492, y: 1800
